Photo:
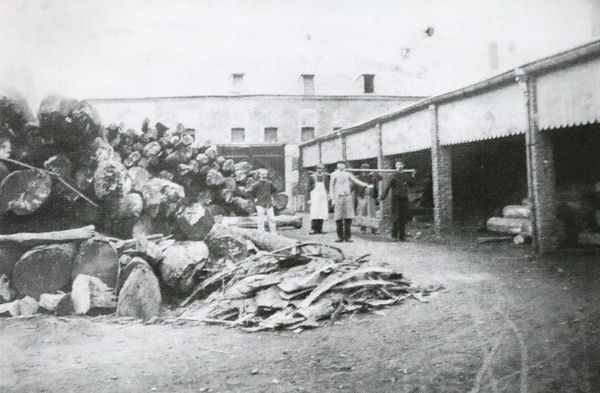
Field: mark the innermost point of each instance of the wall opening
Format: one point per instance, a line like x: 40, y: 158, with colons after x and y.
x: 308, y: 84
x: 270, y: 134
x: 368, y: 83
x: 238, y: 135
x: 307, y: 133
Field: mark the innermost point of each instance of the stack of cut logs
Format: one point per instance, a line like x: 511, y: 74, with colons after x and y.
x: 67, y: 170
x: 515, y: 222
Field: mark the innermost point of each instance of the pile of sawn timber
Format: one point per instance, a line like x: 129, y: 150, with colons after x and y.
x: 515, y: 222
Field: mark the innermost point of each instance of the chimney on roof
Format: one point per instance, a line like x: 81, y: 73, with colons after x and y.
x: 237, y: 83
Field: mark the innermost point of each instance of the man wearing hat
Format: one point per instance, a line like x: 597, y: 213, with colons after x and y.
x: 365, y: 208
x: 399, y: 183
x: 340, y: 189
x: 317, y: 198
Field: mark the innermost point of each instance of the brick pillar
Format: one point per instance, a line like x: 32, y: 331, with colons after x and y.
x: 343, y: 137
x: 541, y: 178
x: 441, y: 171
x: 320, y: 152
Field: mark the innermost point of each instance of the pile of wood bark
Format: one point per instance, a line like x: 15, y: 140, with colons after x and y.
x: 64, y: 169
x: 295, y: 288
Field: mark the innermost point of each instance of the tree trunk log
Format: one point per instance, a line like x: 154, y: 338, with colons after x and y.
x: 280, y: 201
x: 513, y: 226
x: 24, y: 191
x: 99, y: 259
x: 90, y: 292
x: 243, y: 206
x: 179, y: 265
x: 111, y: 180
x: 140, y: 296
x: 57, y: 303
x: 252, y: 222
x: 214, y: 178
x: 44, y: 269
x: 195, y: 221
x: 139, y: 176
x: 265, y: 241
x: 224, y: 243
x: 32, y: 239
x: 162, y: 197
x: 9, y: 255
x: 516, y: 211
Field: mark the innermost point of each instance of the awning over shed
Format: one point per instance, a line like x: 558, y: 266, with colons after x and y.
x: 331, y: 150
x: 492, y: 114
x: 310, y: 155
x: 362, y: 145
x: 407, y: 134
x: 570, y: 96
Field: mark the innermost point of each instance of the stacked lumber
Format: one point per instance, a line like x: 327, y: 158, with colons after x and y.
x: 296, y: 290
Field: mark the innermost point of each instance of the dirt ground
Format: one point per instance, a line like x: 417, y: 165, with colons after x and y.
x: 507, y: 321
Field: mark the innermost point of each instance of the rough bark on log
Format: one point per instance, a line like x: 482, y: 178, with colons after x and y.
x: 230, y: 184
x: 111, y: 180
x: 217, y: 210
x: 139, y: 176
x: 24, y: 191
x: 6, y: 292
x: 227, y: 167
x: 152, y: 149
x: 60, y: 165
x: 140, y: 296
x: 252, y: 222
x: 69, y: 122
x: 99, y: 259
x: 57, y: 303
x: 45, y: 269
x: 265, y: 241
x: 214, y: 178
x: 128, y: 207
x: 280, y: 201
x: 162, y: 197
x: 178, y: 265
x: 90, y: 292
x: 14, y: 112
x: 513, y: 226
x: 32, y: 239
x: 516, y: 211
x: 211, y: 153
x: 243, y: 206
x: 223, y: 242
x: 202, y: 159
x: 125, y: 271
x: 195, y: 221
x: 9, y: 255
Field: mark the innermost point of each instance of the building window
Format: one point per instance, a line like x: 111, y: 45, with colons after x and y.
x: 238, y: 135
x: 308, y: 133
x: 308, y: 83
x: 270, y: 134
x: 237, y: 83
x: 369, y: 83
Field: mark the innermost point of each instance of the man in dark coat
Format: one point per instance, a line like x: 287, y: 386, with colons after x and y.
x: 399, y: 182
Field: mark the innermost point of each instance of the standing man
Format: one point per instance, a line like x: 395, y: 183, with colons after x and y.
x: 365, y: 206
x: 262, y: 190
x: 399, y: 182
x: 317, y: 198
x: 341, y: 195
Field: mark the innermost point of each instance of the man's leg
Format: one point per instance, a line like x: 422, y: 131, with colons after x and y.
x: 319, y: 226
x: 361, y: 211
x: 403, y: 213
x: 339, y: 227
x: 395, y: 208
x: 348, y: 229
x: 271, y: 220
x: 260, y: 218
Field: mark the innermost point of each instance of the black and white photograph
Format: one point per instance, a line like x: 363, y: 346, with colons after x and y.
x: 247, y: 196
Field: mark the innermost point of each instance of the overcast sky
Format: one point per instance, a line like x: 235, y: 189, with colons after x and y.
x: 118, y: 48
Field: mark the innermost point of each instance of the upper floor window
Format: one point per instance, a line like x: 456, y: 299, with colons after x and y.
x: 308, y: 83
x: 270, y: 134
x: 369, y: 83
x: 308, y: 133
x: 238, y: 135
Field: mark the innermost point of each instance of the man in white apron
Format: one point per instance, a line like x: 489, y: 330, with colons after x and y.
x: 319, y: 208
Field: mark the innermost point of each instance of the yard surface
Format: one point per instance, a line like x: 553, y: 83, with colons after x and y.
x: 507, y: 321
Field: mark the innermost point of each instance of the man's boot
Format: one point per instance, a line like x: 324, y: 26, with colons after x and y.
x: 348, y: 230
x: 339, y: 227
